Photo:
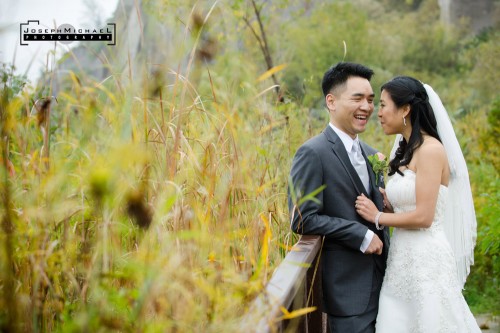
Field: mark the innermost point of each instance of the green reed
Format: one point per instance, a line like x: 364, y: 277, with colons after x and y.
x: 143, y: 206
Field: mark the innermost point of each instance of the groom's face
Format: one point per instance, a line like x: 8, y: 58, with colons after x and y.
x: 351, y: 105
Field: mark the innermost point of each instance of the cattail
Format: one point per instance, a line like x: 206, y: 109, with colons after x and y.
x: 158, y: 81
x: 138, y: 210
x: 196, y: 22
x: 99, y: 184
x: 207, y: 47
x: 41, y: 109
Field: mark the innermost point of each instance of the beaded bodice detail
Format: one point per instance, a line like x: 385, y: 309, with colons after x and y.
x: 401, y: 194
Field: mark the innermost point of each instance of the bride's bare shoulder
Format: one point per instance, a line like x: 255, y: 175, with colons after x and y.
x: 432, y: 144
x: 431, y: 149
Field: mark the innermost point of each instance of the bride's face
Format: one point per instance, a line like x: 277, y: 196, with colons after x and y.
x: 390, y: 116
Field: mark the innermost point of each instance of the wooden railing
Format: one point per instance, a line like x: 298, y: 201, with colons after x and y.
x: 295, y: 285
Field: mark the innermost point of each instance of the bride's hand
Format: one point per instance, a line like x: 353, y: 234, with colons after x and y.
x: 366, y: 208
x: 387, y: 204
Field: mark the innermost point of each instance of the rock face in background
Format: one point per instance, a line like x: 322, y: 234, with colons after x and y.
x: 98, y: 60
x: 480, y: 14
x: 142, y: 37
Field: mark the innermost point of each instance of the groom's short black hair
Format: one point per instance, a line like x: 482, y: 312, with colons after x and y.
x: 338, y: 74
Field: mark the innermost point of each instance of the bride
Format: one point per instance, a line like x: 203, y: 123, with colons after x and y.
x: 429, y: 204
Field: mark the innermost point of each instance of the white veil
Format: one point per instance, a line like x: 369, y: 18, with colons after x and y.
x: 460, y: 218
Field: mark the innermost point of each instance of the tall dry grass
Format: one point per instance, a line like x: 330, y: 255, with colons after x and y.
x: 149, y: 204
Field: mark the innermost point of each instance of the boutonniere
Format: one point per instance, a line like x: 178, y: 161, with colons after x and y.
x: 379, y: 165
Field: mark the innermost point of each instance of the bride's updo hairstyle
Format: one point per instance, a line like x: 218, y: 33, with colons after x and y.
x: 405, y: 90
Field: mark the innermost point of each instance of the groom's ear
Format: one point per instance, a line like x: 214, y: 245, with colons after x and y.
x: 330, y: 101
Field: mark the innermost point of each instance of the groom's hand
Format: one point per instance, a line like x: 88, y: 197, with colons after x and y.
x: 375, y: 246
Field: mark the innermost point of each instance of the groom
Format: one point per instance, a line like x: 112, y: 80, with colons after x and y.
x: 354, y: 253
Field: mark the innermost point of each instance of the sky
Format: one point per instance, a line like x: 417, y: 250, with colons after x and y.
x: 30, y: 59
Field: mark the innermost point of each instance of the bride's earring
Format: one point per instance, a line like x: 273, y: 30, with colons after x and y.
x: 404, y: 121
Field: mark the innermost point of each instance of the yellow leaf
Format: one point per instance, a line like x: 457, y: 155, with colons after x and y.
x: 295, y: 313
x: 270, y: 72
x: 286, y: 247
x: 284, y: 310
x: 271, y: 126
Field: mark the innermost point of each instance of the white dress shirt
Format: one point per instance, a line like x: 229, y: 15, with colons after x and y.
x: 348, y: 143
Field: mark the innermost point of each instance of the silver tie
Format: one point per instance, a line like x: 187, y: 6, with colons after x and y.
x: 359, y: 163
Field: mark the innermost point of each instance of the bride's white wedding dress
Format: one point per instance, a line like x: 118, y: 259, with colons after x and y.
x: 420, y: 292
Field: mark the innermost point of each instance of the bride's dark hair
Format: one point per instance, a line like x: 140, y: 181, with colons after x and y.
x: 405, y: 90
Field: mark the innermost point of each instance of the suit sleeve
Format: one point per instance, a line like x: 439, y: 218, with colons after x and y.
x: 306, y: 176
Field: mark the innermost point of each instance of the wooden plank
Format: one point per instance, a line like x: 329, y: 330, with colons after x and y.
x: 282, y: 289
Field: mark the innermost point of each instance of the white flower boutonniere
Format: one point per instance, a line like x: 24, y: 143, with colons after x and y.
x: 379, y: 164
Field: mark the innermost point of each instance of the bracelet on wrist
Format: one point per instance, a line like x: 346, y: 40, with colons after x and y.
x: 377, y: 218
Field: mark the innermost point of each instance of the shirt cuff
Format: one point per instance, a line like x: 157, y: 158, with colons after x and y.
x: 366, y: 242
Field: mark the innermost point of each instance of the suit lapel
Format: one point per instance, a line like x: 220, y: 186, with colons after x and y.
x: 339, y: 150
x: 376, y: 195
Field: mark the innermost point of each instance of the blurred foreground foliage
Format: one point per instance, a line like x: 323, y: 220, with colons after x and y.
x: 155, y: 200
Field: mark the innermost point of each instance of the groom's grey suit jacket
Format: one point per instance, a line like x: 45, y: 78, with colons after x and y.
x: 347, y: 272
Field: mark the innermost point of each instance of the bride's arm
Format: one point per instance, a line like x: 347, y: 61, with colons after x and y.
x: 430, y: 162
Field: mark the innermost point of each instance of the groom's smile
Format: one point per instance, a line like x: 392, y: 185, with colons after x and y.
x: 362, y: 119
